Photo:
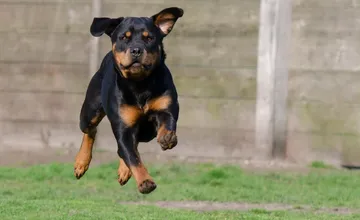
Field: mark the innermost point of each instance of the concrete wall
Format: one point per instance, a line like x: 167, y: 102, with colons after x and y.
x: 324, y: 81
x: 212, y: 55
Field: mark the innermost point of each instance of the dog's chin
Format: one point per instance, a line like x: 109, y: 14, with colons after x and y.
x: 137, y: 71
x: 136, y: 68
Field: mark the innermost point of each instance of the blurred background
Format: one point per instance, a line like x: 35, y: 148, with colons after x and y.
x: 45, y: 67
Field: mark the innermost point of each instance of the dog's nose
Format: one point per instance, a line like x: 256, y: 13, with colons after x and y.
x: 136, y: 52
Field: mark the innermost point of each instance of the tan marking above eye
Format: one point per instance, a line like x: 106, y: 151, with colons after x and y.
x: 145, y: 34
x: 128, y: 34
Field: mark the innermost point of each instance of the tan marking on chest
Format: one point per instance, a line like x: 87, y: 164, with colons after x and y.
x: 158, y: 104
x: 130, y: 114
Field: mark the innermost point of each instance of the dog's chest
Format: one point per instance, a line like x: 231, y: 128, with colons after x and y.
x: 140, y: 94
x: 146, y: 103
x: 145, y: 107
x: 142, y: 99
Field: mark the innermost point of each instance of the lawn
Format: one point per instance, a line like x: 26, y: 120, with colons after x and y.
x: 52, y: 192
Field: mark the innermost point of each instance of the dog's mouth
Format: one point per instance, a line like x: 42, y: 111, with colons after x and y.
x: 136, y: 65
x: 136, y: 70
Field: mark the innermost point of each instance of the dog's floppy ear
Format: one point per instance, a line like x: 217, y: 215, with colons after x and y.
x: 105, y: 25
x: 165, y: 19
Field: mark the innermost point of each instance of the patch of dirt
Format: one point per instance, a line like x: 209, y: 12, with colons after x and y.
x: 203, y: 206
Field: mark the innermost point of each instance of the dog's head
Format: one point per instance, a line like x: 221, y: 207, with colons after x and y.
x: 137, y: 41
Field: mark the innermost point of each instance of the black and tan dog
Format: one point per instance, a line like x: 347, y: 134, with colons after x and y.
x: 135, y: 90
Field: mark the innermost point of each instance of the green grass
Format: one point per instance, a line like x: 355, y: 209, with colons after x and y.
x: 51, y: 192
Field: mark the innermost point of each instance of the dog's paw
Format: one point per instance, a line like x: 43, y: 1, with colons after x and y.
x: 80, y: 168
x: 124, y: 174
x: 167, y: 140
x: 147, y: 186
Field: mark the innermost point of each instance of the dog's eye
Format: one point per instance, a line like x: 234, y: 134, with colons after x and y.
x: 148, y: 38
x: 123, y: 38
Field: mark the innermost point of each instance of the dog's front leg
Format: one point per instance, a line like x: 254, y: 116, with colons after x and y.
x: 165, y: 108
x: 127, y: 151
x: 166, y: 131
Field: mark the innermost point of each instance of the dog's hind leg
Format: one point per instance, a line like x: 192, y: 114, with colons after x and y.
x: 83, y: 157
x: 91, y: 115
x: 124, y: 172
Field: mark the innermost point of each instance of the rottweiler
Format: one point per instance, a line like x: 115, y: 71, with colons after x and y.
x: 135, y: 90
